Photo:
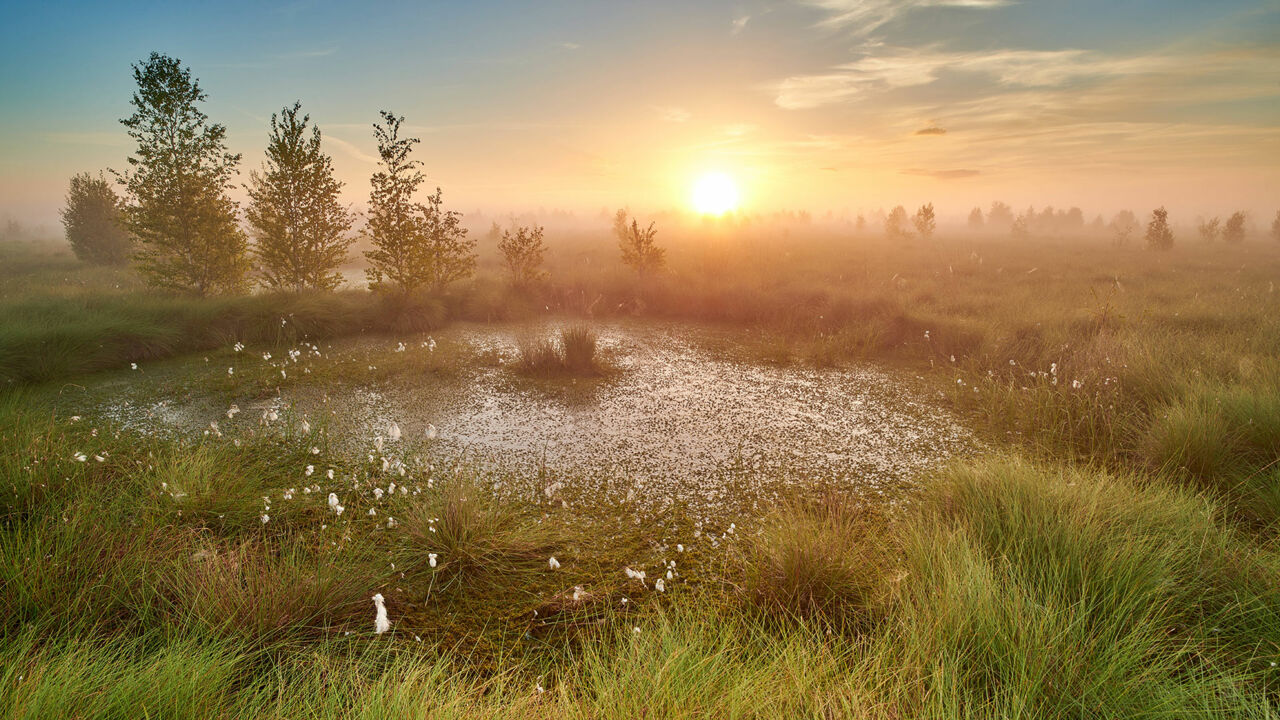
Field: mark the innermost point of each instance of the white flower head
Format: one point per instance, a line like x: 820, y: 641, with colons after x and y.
x: 554, y: 563
x: 381, y: 623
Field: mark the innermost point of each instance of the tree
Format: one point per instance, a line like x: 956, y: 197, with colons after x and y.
x: 975, y: 219
x: 180, y: 173
x: 413, y: 244
x: 522, y: 252
x: 1159, y: 235
x: 300, y: 226
x: 1275, y: 227
x: 1209, y: 229
x: 1074, y: 219
x: 1000, y: 215
x: 924, y: 221
x: 895, y: 225
x: 94, y: 221
x: 1233, y: 231
x: 1123, y: 226
x: 860, y: 224
x: 450, y: 253
x: 639, y: 251
x: 1021, y: 227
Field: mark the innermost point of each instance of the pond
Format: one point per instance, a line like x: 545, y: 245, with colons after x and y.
x: 682, y: 419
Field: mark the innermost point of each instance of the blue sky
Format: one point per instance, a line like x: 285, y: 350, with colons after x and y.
x: 583, y: 105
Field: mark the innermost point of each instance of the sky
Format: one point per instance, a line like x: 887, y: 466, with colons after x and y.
x: 818, y: 105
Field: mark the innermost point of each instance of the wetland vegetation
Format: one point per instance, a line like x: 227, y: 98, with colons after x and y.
x: 171, y: 524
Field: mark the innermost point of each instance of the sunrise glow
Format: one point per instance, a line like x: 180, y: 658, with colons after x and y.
x: 715, y: 194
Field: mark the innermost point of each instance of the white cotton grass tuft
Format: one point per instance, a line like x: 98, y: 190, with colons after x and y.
x: 554, y: 563
x: 393, y: 432
x: 381, y: 623
x: 431, y: 432
x: 431, y: 559
x: 334, y: 505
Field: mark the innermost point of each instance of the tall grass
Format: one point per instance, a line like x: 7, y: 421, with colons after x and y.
x: 574, y: 354
x: 1101, y: 570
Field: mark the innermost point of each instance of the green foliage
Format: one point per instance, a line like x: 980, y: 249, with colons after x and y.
x: 414, y: 245
x: 1159, y: 234
x: 522, y: 252
x: 298, y: 222
x: 177, y: 183
x: 94, y: 221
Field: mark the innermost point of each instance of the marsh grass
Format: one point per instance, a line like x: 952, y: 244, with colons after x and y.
x: 823, y: 559
x: 478, y: 539
x: 1101, y: 568
x: 573, y: 354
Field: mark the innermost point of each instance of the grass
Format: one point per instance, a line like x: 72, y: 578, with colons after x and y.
x: 574, y: 354
x: 1113, y: 556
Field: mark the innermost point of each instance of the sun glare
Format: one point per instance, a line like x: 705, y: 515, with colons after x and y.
x: 715, y: 194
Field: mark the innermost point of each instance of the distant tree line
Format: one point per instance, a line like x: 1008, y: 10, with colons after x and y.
x: 1122, y: 227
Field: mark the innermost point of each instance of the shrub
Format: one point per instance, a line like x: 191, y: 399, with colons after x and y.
x: 639, y: 250
x: 94, y: 223
x: 522, y: 252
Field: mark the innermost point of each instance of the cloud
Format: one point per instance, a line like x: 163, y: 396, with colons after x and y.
x: 674, y: 114
x: 866, y: 16
x: 932, y: 130
x: 350, y: 149
x: 739, y: 24
x: 943, y: 174
x: 880, y: 70
x: 568, y: 45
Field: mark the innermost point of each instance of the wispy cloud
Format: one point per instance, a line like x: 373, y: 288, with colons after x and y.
x: 739, y: 23
x: 350, y: 149
x: 673, y: 114
x: 932, y: 130
x: 882, y: 69
x: 863, y: 17
x: 943, y: 174
x: 568, y: 45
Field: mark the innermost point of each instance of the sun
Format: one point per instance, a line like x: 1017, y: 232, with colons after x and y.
x: 715, y: 194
